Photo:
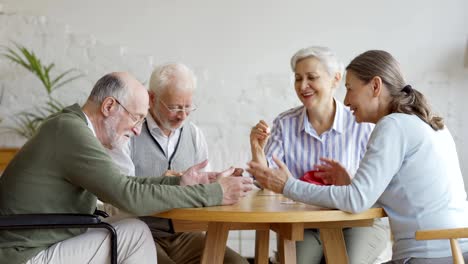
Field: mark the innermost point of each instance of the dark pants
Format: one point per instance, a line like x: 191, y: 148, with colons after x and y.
x: 187, y: 248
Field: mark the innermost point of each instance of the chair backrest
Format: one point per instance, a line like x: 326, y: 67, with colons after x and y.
x: 451, y: 234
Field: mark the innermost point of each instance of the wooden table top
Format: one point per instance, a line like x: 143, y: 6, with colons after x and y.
x: 268, y: 207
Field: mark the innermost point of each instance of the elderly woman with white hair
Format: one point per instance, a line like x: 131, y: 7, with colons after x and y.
x: 322, y: 127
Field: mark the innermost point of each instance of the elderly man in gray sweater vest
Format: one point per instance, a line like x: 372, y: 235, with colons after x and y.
x: 168, y: 145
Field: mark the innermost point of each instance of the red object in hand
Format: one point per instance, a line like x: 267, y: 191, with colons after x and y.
x: 311, y: 178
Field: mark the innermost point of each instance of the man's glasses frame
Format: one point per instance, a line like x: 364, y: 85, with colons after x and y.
x: 177, y: 109
x: 137, y: 121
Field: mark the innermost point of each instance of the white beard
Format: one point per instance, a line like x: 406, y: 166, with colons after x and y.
x: 116, y: 141
x: 167, y: 125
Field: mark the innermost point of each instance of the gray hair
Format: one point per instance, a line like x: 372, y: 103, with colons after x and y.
x: 110, y: 85
x: 323, y: 54
x: 166, y: 74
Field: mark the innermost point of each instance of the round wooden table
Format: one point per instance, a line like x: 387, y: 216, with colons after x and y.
x: 265, y: 210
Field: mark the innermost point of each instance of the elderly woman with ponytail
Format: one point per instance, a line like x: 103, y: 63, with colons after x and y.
x: 410, y: 167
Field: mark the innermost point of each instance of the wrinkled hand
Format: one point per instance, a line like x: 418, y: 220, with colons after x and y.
x: 234, y: 188
x: 194, y: 175
x: 172, y: 173
x: 259, y: 135
x: 332, y: 172
x: 273, y: 179
x: 214, y: 176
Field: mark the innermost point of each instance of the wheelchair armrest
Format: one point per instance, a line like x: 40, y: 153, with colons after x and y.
x: 51, y: 220
x: 101, y: 213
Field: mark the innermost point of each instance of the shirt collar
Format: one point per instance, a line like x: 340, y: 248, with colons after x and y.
x: 338, y: 121
x: 90, y: 125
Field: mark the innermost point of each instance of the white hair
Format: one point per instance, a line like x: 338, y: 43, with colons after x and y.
x: 167, y: 74
x: 323, y: 54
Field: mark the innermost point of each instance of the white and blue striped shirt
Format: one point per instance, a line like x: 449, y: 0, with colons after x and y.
x: 294, y: 141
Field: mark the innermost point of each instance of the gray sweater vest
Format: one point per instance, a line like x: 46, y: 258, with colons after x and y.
x: 150, y: 160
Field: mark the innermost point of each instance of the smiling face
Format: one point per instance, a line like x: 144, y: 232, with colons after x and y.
x: 361, y: 98
x: 313, y: 84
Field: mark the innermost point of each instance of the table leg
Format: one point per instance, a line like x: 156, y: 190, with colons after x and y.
x: 262, y: 242
x: 286, y: 250
x: 334, y: 247
x: 215, y: 243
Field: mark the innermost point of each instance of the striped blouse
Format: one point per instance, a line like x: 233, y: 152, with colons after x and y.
x: 296, y: 143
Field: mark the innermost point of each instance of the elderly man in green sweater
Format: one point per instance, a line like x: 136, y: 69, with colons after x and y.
x: 64, y: 168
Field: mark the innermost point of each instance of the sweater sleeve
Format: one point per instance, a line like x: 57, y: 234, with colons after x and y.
x: 384, y: 156
x: 87, y: 165
x: 173, y: 180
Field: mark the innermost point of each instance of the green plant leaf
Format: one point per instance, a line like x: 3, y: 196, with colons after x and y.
x: 55, y: 105
x: 27, y: 122
x: 67, y: 81
x: 58, y: 82
x: 15, y: 57
x: 25, y: 126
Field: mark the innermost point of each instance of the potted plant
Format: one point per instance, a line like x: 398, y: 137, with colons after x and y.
x: 27, y: 122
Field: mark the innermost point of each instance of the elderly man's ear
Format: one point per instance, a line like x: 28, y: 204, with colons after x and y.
x: 152, y: 97
x: 108, y: 106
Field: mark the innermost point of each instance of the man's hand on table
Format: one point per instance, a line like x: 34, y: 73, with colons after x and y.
x: 234, y: 188
x: 194, y: 175
x: 172, y: 173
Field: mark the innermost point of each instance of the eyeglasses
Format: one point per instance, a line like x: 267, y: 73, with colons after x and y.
x: 176, y: 109
x: 137, y: 121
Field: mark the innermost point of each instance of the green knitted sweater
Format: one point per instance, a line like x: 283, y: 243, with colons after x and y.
x: 64, y: 169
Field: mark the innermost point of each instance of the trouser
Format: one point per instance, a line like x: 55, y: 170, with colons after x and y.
x: 134, y: 245
x: 363, y: 244
x: 187, y: 248
x: 446, y: 260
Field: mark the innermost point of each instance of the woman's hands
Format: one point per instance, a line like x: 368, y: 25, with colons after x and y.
x: 332, y: 172
x: 273, y: 179
x: 259, y: 135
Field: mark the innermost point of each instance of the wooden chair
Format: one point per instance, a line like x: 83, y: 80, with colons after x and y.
x: 451, y: 234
